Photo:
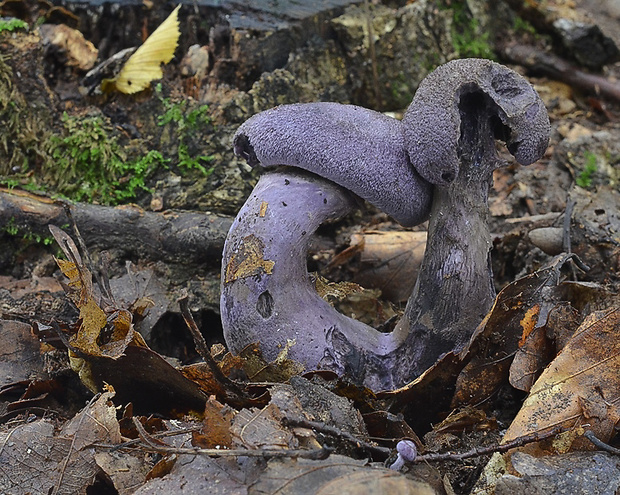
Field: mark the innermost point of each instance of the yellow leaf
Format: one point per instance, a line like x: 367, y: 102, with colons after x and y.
x: 144, y: 65
x: 93, y: 321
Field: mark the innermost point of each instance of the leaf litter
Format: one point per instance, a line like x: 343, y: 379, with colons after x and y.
x: 534, y: 338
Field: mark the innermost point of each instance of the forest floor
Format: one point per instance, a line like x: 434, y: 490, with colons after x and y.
x: 110, y: 387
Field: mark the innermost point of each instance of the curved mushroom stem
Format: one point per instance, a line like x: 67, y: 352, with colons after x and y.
x: 450, y: 129
x: 267, y: 295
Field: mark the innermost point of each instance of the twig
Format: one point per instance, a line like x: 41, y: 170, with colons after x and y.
x: 335, y: 432
x: 373, y: 55
x: 203, y: 351
x: 589, y: 434
x: 314, y: 454
x: 136, y: 441
x: 151, y: 446
x: 145, y: 437
x: 84, y: 250
x: 557, y: 68
x: 477, y: 452
x: 568, y: 215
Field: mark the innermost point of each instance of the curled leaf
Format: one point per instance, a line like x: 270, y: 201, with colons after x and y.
x: 144, y: 65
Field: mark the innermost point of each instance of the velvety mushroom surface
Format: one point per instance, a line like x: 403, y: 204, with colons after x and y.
x: 359, y: 149
x: 267, y: 295
x: 447, y: 137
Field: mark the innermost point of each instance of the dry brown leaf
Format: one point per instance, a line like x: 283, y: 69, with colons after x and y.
x: 105, y: 329
x: 20, y: 355
x: 126, y: 471
x: 216, y: 426
x: 532, y: 355
x: 146, y: 379
x: 390, y: 261
x: 35, y: 460
x: 337, y: 475
x: 519, y: 311
x: 249, y: 260
x: 78, y: 51
x: 200, y: 475
x: 202, y: 375
x: 581, y: 386
x: 259, y: 370
x: 261, y: 428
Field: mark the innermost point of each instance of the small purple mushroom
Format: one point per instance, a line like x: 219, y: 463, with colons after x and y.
x: 447, y: 137
x: 407, y: 452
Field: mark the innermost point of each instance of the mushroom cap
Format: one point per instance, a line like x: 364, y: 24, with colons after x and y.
x: 407, y: 449
x: 358, y: 149
x: 432, y: 123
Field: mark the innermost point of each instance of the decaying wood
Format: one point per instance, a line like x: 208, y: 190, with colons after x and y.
x: 548, y: 64
x: 175, y: 236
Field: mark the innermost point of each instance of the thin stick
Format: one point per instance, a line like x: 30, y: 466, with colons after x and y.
x: 150, y: 445
x: 477, y: 452
x: 203, y: 350
x: 335, y: 432
x: 136, y: 441
x: 589, y: 434
x: 553, y: 66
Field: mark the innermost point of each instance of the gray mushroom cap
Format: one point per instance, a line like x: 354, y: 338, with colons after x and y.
x: 358, y: 149
x: 432, y: 121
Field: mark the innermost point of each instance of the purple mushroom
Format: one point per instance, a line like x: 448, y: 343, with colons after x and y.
x: 447, y: 138
x: 359, y: 149
x: 267, y: 295
x: 406, y: 452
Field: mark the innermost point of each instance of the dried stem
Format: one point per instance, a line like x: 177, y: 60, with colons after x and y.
x: 203, y: 350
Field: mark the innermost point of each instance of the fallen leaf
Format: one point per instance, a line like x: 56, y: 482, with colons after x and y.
x: 36, y: 460
x: 200, y: 475
x: 144, y: 65
x: 215, y: 433
x: 581, y: 386
x: 261, y: 428
x: 389, y: 261
x: 77, y: 50
x: 126, y: 471
x: 576, y: 472
x: 248, y: 260
x: 337, y: 475
x: 146, y: 379
x: 20, y: 354
x: 520, y: 309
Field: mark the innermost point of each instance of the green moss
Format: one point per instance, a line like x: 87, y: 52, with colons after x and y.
x: 85, y: 158
x: 12, y: 24
x: 24, y: 234
x: 23, y: 130
x: 469, y: 40
x: 187, y: 123
x: 10, y: 227
x: 89, y: 164
x: 584, y: 179
x: 520, y: 25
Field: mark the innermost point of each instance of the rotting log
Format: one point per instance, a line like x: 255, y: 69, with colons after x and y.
x: 171, y: 236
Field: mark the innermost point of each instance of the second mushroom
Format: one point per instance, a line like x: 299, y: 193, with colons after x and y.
x: 438, y: 162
